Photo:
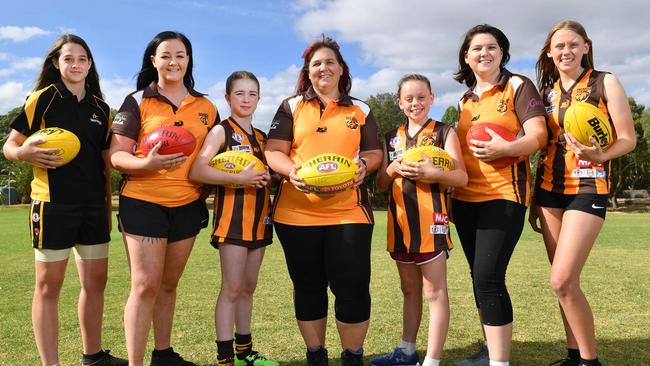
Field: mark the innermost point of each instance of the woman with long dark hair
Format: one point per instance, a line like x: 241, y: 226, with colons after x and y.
x: 161, y: 209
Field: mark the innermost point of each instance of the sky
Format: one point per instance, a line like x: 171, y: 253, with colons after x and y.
x: 381, y: 40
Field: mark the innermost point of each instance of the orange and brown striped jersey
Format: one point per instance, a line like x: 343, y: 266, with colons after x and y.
x: 511, y: 102
x: 558, y: 169
x: 242, y: 213
x: 343, y: 127
x: 142, y: 112
x: 82, y: 180
x: 417, y: 211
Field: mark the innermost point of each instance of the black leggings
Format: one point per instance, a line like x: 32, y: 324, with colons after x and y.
x: 338, y: 255
x: 488, y: 233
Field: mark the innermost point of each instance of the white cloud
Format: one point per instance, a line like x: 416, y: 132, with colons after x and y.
x: 12, y: 95
x: 421, y: 36
x: 21, y: 64
x: 21, y: 34
x: 115, y: 90
x: 272, y: 91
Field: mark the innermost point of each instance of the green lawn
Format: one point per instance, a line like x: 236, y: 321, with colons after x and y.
x: 616, y: 280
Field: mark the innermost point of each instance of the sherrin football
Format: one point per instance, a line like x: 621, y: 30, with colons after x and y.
x: 477, y: 132
x: 234, y: 162
x: 438, y: 156
x: 174, y: 139
x: 328, y: 173
x: 58, y: 138
x: 583, y: 120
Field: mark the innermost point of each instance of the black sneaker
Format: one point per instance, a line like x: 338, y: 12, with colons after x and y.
x: 106, y: 360
x: 350, y: 359
x: 168, y: 358
x: 317, y: 358
x: 565, y: 362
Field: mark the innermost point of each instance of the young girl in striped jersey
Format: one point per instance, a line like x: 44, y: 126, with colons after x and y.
x: 573, y: 180
x: 418, y: 227
x: 242, y: 225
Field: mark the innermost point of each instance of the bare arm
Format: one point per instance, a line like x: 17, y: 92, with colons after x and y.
x: 202, y: 172
x: 534, y: 138
x: 122, y: 158
x: 15, y: 149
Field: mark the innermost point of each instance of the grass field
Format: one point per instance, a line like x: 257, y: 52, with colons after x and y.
x: 616, y: 280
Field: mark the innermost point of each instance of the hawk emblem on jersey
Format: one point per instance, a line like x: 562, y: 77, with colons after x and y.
x: 428, y: 140
x: 36, y: 217
x: 551, y: 96
x: 351, y: 122
x: 203, y: 117
x: 237, y: 137
x: 582, y: 94
x: 395, y: 142
x: 502, y: 107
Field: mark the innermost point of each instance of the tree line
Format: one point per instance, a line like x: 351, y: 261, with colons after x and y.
x: 631, y: 171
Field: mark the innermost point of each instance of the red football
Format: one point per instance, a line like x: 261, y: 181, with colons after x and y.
x: 477, y: 132
x: 174, y: 140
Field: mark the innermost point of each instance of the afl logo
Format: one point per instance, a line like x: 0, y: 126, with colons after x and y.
x: 36, y: 217
x: 327, y: 167
x: 229, y: 165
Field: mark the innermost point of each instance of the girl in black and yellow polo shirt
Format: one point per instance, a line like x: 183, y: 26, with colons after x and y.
x: 71, y: 204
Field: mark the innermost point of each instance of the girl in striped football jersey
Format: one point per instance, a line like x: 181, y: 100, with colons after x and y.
x: 418, y: 228
x: 242, y: 226
x: 573, y: 179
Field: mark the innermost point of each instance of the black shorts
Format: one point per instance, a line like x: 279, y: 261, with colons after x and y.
x: 148, y: 219
x: 595, y: 204
x: 61, y: 226
x: 216, y: 241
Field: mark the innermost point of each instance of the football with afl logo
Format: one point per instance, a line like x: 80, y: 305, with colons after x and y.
x: 583, y: 120
x: 328, y: 173
x: 233, y: 162
x: 478, y: 132
x: 57, y: 138
x: 174, y: 139
x: 438, y: 157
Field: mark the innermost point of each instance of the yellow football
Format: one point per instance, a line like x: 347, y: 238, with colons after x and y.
x: 583, y: 120
x: 438, y: 156
x: 328, y: 173
x: 234, y: 162
x: 58, y: 138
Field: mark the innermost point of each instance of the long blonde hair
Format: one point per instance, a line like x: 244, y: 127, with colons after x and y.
x: 547, y: 74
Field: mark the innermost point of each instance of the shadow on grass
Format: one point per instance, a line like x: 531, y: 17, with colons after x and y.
x: 620, y: 352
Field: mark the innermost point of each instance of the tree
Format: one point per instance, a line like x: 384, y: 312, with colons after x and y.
x: 451, y: 116
x: 386, y: 111
x: 633, y: 169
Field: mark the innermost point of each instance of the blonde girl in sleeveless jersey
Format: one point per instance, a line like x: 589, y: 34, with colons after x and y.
x: 564, y: 199
x: 420, y: 251
x: 241, y: 249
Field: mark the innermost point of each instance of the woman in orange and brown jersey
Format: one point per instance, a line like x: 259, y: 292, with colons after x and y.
x: 326, y: 238
x: 573, y: 180
x: 489, y: 212
x: 161, y: 210
x: 242, y: 225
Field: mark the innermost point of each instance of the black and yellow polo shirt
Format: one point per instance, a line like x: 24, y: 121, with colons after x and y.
x: 511, y: 102
x: 142, y: 112
x: 82, y: 180
x: 343, y: 127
